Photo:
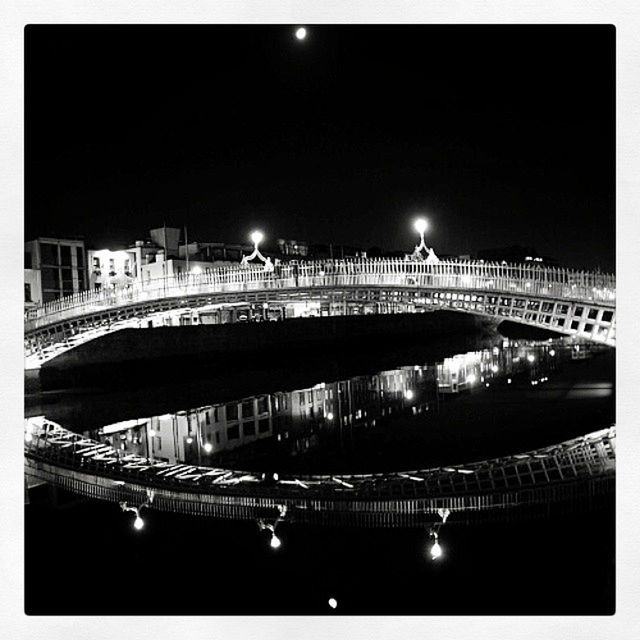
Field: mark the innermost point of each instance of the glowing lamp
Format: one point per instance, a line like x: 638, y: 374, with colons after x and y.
x: 471, y: 378
x: 333, y: 603
x: 138, y: 523
x: 301, y: 33
x: 330, y: 416
x: 257, y: 237
x: 408, y: 394
x: 436, y: 550
x: 552, y: 352
x: 531, y: 357
x: 189, y: 440
x: 420, y: 225
x: 208, y: 447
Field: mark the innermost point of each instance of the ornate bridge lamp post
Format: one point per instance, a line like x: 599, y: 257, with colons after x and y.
x: 421, y: 225
x: 257, y: 237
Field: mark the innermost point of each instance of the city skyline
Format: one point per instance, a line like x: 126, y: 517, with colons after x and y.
x: 343, y: 137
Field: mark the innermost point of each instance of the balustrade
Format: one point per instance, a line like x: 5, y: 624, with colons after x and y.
x: 469, y: 276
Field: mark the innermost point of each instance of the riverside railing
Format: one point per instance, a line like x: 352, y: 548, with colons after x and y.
x: 548, y: 282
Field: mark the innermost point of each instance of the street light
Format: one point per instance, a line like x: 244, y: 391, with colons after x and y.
x: 256, y: 237
x: 421, y: 225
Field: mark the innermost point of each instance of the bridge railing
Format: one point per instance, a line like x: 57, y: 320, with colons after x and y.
x: 469, y: 276
x: 589, y: 456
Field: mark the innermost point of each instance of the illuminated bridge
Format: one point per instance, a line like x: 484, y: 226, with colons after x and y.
x: 576, y: 469
x: 572, y: 303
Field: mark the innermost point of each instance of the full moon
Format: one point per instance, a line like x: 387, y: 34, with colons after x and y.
x: 301, y: 33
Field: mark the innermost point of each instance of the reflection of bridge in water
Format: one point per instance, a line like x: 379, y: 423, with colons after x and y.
x: 572, y: 303
x: 577, y: 468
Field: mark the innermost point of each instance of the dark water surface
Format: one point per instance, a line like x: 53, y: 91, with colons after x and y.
x: 493, y: 401
x: 496, y: 398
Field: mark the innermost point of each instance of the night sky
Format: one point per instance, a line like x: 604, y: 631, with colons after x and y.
x: 499, y: 135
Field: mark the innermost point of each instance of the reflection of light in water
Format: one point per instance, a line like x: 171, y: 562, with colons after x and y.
x: 292, y: 417
x: 275, y: 542
x: 436, y: 550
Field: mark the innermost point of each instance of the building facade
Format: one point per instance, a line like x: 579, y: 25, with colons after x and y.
x: 54, y: 268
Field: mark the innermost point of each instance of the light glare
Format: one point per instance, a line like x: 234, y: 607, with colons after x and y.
x: 420, y: 225
x: 138, y: 523
x: 301, y: 33
x: 257, y: 237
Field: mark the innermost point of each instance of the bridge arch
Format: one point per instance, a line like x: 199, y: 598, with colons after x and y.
x: 572, y: 303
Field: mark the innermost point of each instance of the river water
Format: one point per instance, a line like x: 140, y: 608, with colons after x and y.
x: 480, y: 401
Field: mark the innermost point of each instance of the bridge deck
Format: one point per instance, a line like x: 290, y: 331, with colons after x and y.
x: 569, y: 302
